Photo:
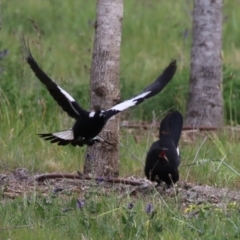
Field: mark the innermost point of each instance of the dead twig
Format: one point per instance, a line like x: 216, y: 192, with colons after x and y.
x: 15, y: 227
x: 85, y: 177
x: 148, y: 125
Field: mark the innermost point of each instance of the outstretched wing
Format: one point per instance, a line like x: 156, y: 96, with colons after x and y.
x: 63, y: 99
x: 148, y: 92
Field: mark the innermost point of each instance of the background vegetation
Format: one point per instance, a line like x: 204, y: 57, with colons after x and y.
x: 61, y: 38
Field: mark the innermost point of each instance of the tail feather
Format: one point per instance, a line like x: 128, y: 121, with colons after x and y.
x: 63, y: 143
x: 62, y: 138
x: 176, y: 123
x: 49, y: 138
x: 55, y: 140
x: 172, y: 125
x: 65, y: 137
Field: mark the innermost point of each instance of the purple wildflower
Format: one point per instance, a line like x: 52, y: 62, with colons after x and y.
x: 57, y: 189
x: 149, y: 208
x: 88, y: 156
x: 80, y: 203
x: 130, y: 206
x: 100, y: 179
x: 3, y: 53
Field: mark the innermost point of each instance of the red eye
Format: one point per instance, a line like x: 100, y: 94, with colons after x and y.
x: 162, y: 154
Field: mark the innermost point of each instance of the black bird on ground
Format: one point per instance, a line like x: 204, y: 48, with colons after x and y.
x: 89, y: 124
x: 163, y: 158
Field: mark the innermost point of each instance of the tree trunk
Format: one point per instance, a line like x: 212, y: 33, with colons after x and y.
x: 103, y: 159
x: 205, y: 103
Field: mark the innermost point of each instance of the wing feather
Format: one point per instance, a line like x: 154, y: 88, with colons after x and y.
x: 64, y: 99
x: 148, y: 92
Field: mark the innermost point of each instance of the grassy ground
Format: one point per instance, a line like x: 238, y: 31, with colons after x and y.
x: 107, y: 217
x: 61, y: 37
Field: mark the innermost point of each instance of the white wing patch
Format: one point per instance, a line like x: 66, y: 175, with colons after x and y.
x: 65, y: 135
x: 129, y: 103
x: 177, y: 150
x: 67, y: 95
x: 91, y: 114
x: 70, y: 99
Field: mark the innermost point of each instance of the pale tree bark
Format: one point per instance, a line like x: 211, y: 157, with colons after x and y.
x: 205, y: 102
x: 103, y: 159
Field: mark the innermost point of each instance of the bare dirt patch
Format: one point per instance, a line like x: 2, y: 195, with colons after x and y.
x: 21, y: 182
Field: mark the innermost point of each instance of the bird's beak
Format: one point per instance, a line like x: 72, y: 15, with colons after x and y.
x: 163, y: 155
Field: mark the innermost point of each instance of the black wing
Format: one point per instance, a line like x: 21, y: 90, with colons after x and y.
x: 63, y: 99
x: 148, y: 92
x: 172, y: 125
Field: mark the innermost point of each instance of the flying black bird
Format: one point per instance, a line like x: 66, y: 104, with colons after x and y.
x: 163, y: 158
x: 89, y: 124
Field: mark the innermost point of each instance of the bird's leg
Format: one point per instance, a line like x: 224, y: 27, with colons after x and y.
x: 99, y: 139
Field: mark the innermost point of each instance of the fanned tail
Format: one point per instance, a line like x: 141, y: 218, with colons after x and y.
x: 61, y: 138
x: 65, y: 137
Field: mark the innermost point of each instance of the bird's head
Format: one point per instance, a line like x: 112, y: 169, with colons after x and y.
x: 97, y: 114
x: 101, y: 113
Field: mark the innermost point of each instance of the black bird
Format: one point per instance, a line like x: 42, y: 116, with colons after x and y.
x: 163, y: 158
x: 89, y: 124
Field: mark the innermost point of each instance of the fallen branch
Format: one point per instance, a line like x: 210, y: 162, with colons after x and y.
x: 80, y: 176
x: 147, y: 125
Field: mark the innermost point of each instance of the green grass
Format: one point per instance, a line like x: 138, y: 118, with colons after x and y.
x: 61, y: 38
x: 109, y: 218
